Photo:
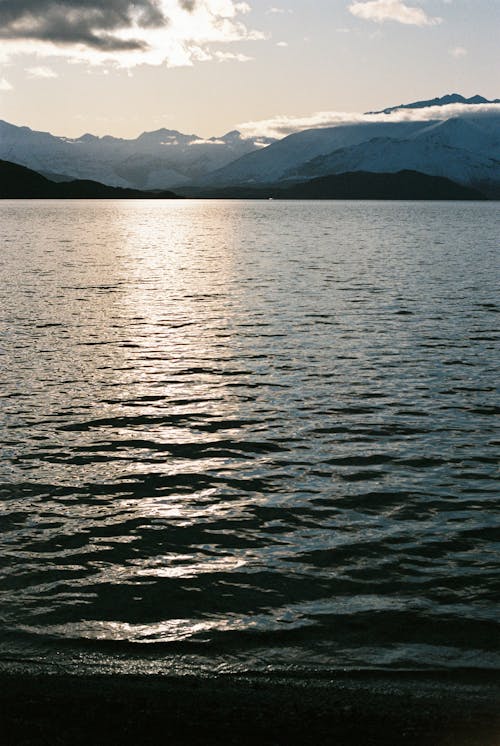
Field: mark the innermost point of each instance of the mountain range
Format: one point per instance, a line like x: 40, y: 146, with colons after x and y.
x: 154, y: 160
x: 461, y: 143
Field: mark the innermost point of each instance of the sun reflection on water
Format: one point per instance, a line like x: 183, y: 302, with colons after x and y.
x: 229, y: 419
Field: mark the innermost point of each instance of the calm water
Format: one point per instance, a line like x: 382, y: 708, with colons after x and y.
x: 249, y: 435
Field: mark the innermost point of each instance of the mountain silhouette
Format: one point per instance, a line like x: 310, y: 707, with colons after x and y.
x: 19, y: 182
x: 403, y: 185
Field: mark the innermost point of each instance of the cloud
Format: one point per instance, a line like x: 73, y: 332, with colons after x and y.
x: 458, y: 52
x: 392, y: 10
x: 123, y: 32
x: 41, y: 72
x: 5, y: 85
x: 228, y: 56
x: 280, y: 126
x: 92, y: 23
x: 283, y: 125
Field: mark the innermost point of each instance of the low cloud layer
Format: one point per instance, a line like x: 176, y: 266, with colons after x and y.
x: 281, y: 126
x: 392, y: 10
x: 126, y: 32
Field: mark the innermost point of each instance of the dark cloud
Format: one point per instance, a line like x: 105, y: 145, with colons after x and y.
x: 93, y: 23
x: 188, y: 5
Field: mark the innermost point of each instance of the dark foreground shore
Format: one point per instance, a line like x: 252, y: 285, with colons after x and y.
x: 349, y: 710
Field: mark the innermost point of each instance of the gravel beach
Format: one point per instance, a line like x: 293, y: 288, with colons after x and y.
x: 348, y: 710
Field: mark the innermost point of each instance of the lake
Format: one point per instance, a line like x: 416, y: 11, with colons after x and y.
x: 249, y: 436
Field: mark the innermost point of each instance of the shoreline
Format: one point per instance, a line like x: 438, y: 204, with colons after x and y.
x: 364, y: 709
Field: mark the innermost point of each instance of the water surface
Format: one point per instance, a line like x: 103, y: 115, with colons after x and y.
x: 249, y: 435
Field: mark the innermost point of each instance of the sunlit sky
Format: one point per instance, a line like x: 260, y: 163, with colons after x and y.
x: 208, y: 66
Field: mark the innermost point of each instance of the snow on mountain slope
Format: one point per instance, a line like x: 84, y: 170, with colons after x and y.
x: 461, y: 150
x: 475, y: 135
x: 154, y: 160
x: 273, y: 162
x: 382, y: 155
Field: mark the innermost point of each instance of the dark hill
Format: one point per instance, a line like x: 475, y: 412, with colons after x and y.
x: 403, y: 185
x: 411, y: 185
x: 18, y: 182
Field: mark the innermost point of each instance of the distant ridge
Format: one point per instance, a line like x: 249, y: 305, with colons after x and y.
x: 450, y: 98
x: 19, y: 182
x: 160, y: 159
x: 404, y: 185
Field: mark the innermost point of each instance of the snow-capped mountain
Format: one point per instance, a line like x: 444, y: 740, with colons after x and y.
x: 279, y: 159
x: 154, y: 160
x: 463, y: 148
x: 450, y: 98
x: 451, y: 136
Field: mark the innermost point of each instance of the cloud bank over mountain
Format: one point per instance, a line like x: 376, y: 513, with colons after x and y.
x: 281, y: 126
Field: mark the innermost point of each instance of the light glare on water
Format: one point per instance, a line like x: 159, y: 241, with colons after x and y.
x: 249, y: 433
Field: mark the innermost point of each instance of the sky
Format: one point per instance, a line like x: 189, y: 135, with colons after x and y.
x: 122, y: 67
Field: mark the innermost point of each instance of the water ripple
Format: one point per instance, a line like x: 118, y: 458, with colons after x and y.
x: 258, y: 435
